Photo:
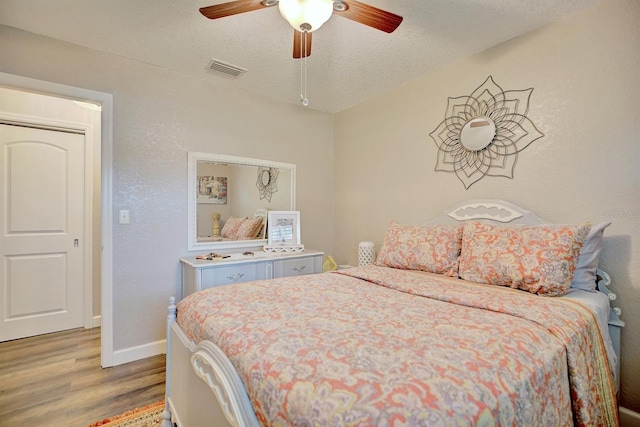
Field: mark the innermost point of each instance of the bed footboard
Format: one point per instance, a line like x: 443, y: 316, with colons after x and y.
x: 213, y: 367
x: 203, y: 387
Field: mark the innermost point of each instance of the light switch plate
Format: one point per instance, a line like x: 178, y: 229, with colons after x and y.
x: 123, y: 216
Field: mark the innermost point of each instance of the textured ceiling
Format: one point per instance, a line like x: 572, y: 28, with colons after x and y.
x: 349, y: 63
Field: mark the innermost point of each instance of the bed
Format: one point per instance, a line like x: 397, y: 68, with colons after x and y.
x: 468, y: 319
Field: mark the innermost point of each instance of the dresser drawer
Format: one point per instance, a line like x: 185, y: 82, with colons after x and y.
x: 198, y: 274
x: 295, y: 267
x: 228, y: 275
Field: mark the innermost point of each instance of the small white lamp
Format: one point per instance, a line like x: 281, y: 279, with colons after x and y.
x: 366, y: 253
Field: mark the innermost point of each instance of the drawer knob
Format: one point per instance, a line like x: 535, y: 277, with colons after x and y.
x: 235, y: 277
x: 299, y: 269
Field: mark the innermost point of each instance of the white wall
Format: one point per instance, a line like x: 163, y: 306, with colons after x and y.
x: 158, y: 117
x: 586, y: 100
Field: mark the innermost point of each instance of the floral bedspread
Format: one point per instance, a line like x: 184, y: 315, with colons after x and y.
x: 375, y: 346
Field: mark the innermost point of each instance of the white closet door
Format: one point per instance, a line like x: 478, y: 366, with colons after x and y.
x: 41, y: 235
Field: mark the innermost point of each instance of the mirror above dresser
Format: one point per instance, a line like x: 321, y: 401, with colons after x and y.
x: 228, y: 189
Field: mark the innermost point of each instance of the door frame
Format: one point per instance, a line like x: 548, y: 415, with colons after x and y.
x: 106, y: 143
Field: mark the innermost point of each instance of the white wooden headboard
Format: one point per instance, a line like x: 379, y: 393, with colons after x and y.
x: 492, y: 210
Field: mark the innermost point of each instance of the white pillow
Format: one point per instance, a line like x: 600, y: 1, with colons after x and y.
x: 585, y: 275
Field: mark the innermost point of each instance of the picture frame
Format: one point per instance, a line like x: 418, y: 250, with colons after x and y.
x: 212, y: 189
x: 283, y: 228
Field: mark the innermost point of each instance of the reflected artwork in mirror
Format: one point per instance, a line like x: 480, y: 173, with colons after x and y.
x: 233, y: 216
x: 483, y: 133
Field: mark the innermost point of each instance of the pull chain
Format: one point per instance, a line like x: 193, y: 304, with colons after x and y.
x: 303, y: 68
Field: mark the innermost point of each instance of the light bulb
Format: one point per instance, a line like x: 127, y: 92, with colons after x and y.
x: 311, y: 12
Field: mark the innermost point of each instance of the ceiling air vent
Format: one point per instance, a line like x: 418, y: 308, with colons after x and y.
x: 225, y: 69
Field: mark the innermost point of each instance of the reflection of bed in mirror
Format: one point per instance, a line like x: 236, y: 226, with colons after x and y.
x: 225, y: 191
x: 252, y: 227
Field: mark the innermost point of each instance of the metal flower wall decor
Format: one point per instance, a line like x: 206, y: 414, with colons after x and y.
x: 267, y: 182
x: 483, y: 133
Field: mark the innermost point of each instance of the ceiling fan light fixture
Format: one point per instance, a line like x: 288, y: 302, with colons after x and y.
x: 313, y: 13
x: 338, y: 6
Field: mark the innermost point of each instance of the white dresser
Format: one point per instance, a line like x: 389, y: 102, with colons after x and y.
x: 201, y: 274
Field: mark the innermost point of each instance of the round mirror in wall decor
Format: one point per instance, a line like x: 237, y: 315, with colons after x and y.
x: 483, y: 133
x: 477, y: 133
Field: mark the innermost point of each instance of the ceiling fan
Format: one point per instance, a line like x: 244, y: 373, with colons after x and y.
x: 306, y: 16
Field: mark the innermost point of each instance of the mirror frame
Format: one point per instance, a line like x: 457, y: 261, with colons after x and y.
x: 192, y: 201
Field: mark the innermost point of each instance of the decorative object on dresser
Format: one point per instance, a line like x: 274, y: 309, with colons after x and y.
x: 366, y: 253
x: 283, y: 232
x: 215, y: 219
x: 202, y: 272
x: 528, y: 355
x: 483, y: 133
x: 241, y: 175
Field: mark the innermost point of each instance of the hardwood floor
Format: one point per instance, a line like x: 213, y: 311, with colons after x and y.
x: 57, y: 380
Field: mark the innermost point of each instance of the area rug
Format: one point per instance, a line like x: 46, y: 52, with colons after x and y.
x: 148, y: 416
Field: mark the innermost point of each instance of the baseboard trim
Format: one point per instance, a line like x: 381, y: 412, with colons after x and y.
x: 96, y: 321
x: 132, y: 354
x: 629, y: 418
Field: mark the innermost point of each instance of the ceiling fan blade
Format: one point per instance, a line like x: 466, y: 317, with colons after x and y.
x: 370, y: 16
x: 231, y: 8
x: 299, y: 48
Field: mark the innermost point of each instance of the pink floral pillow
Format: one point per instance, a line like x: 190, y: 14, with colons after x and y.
x: 231, y: 227
x: 249, y: 228
x: 538, y: 259
x: 433, y: 249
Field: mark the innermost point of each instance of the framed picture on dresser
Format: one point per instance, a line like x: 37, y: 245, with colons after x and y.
x: 283, y: 228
